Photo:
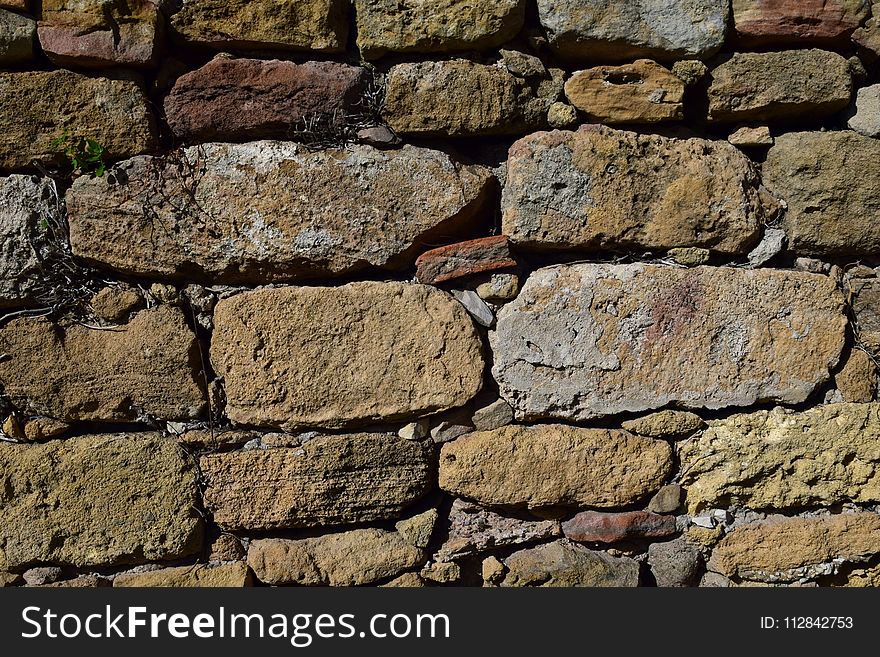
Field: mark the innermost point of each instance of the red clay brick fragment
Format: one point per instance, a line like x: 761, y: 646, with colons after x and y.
x: 597, y: 527
x: 804, y: 22
x: 464, y: 259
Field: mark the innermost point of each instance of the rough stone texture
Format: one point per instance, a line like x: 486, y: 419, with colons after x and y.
x: 290, y: 359
x: 464, y: 259
x: 361, y: 556
x: 667, y: 500
x: 17, y: 36
x: 435, y: 26
x: 16, y: 5
x: 801, y: 22
x: 866, y: 119
x: 865, y: 295
x: 751, y: 137
x: 584, y: 341
x: 666, y: 425
x: 473, y: 530
x: 857, y: 380
x: 228, y: 575
x: 554, y: 465
x: 460, y: 98
x: 641, y: 92
x: 418, y: 529
x: 147, y: 368
x: 782, y: 459
x: 599, y: 527
x: 862, y: 578
x: 329, y: 480
x: 95, y: 33
x: 248, y: 99
x: 566, y: 564
x: 41, y: 106
x: 831, y: 183
x: 779, y: 85
x: 868, y: 36
x: 95, y: 500
x: 778, y: 548
x: 600, y: 188
x: 272, y: 210
x: 318, y: 25
x: 599, y: 31
x: 674, y: 563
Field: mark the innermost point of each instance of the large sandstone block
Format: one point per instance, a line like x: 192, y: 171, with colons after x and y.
x: 345, y: 356
x: 584, y: 341
x: 598, y: 31
x: 781, y: 459
x: 97, y: 500
x: 40, y: 106
x: 551, y: 465
x: 147, y: 368
x: 785, y: 22
x: 435, y: 26
x: 567, y: 564
x: 319, y: 25
x: 775, y: 86
x: 600, y: 188
x: 331, y: 480
x: 17, y: 36
x: 227, y: 575
x: 831, y: 184
x: 248, y: 99
x: 272, y: 211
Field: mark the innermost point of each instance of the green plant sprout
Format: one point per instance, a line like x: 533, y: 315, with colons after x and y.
x: 85, y: 154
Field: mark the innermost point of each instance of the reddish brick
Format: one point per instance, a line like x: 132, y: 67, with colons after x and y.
x: 802, y: 22
x: 465, y: 259
x: 594, y: 526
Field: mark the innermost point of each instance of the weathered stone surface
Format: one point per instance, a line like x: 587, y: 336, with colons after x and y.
x: 460, y: 98
x: 861, y: 578
x: 329, y: 480
x: 41, y: 106
x: 435, y: 26
x: 599, y: 527
x: 290, y: 359
x: 95, y: 500
x: 584, y: 341
x: 499, y: 288
x: 866, y: 119
x: 831, y: 183
x: 145, y: 368
x: 751, y: 137
x: 779, y: 85
x: 563, y: 563
x: 674, y: 563
x: 857, y: 380
x: 319, y: 25
x: 492, y: 416
x: 464, y: 259
x: 868, y: 36
x: 248, y: 99
x: 405, y: 581
x: 81, y: 582
x: 802, y: 22
x: 665, y: 424
x: 272, y: 210
x: 595, y: 30
x: 418, y: 529
x: 17, y: 5
x: 228, y: 575
x: 17, y: 36
x: 601, y: 188
x: 361, y: 556
x: 473, y: 530
x: 865, y: 295
x: 94, y: 33
x: 690, y: 71
x: 781, y: 459
x: 554, y: 465
x: 782, y: 548
x: 641, y: 92
x: 667, y: 500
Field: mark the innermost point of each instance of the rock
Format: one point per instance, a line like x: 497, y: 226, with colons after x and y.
x: 499, y: 288
x: 353, y: 558
x: 405, y: 581
x: 867, y: 37
x: 598, y: 31
x: 567, y: 564
x: 97, y: 34
x: 667, y: 500
x: 9, y: 579
x: 771, y: 245
x: 43, y: 575
x: 554, y: 465
x: 460, y: 98
x: 862, y: 578
x: 12, y: 428
x: 272, y: 211
x: 16, y: 5
x: 464, y: 259
x: 379, y: 136
x: 785, y: 460
x: 586, y: 341
x: 600, y: 189
x: 865, y: 295
x: 81, y: 582
x: 412, y: 26
x: 492, y: 571
x: 17, y: 36
x: 417, y: 530
x: 751, y: 137
x: 115, y: 304
x: 290, y: 359
x: 226, y: 547
x: 227, y: 575
x: 249, y: 99
x: 41, y: 106
x: 418, y: 430
x: 690, y: 257
x: 208, y: 440
x: 475, y: 306
x: 794, y: 84
x: 675, y: 563
x: 784, y: 549
x: 473, y: 530
x: 442, y: 573
x: 831, y: 184
x: 97, y: 500
x: 492, y: 416
x: 797, y: 22
x: 451, y: 425
x: 599, y: 527
x: 857, y: 380
x: 866, y: 119
x: 330, y: 480
x: 317, y: 25
x: 562, y: 115
x: 44, y: 428
x: 521, y: 64
x: 641, y: 92
x: 690, y: 71
x: 146, y: 368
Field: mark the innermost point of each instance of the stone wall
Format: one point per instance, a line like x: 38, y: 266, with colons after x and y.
x: 410, y: 292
